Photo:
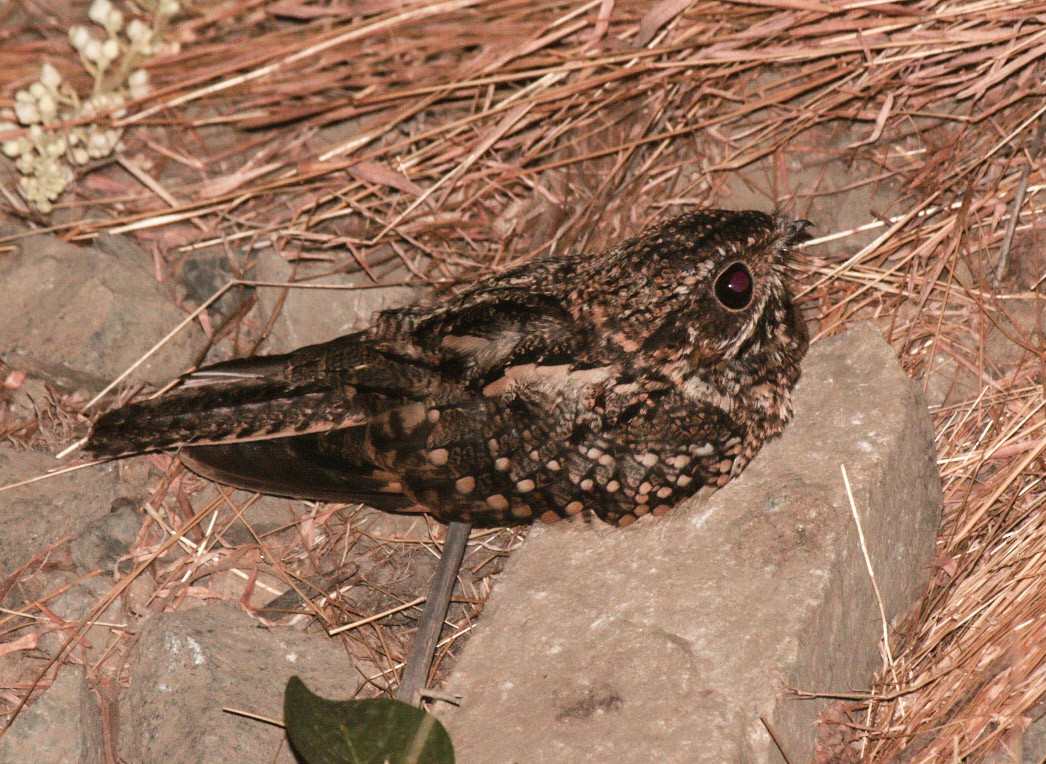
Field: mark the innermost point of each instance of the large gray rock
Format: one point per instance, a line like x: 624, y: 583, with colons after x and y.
x: 667, y: 641
x: 87, y: 313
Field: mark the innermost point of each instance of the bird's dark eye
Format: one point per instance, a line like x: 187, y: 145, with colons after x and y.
x: 733, y: 288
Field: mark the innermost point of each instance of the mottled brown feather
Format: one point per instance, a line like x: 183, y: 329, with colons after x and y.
x: 618, y: 383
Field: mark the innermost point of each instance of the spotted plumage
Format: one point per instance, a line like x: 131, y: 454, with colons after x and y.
x: 619, y: 383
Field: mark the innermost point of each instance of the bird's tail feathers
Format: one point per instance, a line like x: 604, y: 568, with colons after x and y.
x: 223, y: 412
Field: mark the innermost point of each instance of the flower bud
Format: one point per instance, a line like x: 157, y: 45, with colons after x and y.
x: 99, y: 11
x: 110, y: 49
x: 79, y: 37
x: 49, y: 76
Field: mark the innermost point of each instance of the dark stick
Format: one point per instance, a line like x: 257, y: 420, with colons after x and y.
x: 1011, y: 227
x: 416, y: 671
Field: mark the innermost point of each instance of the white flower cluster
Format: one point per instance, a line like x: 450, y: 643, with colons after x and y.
x: 47, y: 149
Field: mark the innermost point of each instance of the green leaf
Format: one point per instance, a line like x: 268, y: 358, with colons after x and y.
x: 373, y: 731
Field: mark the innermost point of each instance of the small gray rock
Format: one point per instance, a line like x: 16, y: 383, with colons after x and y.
x: 190, y: 664
x: 108, y: 538
x: 63, y: 726
x: 37, y: 515
x: 310, y: 316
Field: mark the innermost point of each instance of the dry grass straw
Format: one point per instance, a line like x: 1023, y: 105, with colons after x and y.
x: 443, y: 139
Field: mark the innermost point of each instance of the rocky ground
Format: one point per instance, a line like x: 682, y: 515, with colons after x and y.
x: 170, y: 652
x: 152, y: 616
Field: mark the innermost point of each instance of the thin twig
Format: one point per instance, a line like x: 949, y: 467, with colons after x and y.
x: 416, y: 673
x: 774, y: 736
x: 868, y: 565
x: 1011, y: 226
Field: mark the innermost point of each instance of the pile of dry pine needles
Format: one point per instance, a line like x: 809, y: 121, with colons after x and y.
x: 443, y: 139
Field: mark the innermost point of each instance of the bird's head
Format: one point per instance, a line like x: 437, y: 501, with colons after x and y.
x: 702, y: 289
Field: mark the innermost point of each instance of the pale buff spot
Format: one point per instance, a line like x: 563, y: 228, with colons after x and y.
x: 722, y: 480
x: 642, y: 498
x: 439, y: 456
x: 625, y: 343
x: 660, y: 509
x: 548, y: 517
x: 645, y: 487
x: 594, y: 453
x: 493, y: 445
x: 683, y: 481
x: 664, y: 492
x: 606, y: 460
x: 626, y: 521
x: 498, y: 387
x: 433, y: 415
x: 641, y: 509
x: 587, y: 484
x: 590, y: 376
x: 465, y: 343
x: 465, y: 484
x: 534, y: 455
x: 647, y: 460
x: 526, y: 486
x: 497, y: 502
x: 612, y: 486
x: 411, y: 416
x: 552, y: 372
x: 725, y: 465
x: 553, y: 465
x: 573, y: 507
x: 522, y: 371
x: 502, y: 464
x: 521, y: 510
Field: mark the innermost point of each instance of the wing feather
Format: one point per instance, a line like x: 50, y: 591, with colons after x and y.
x: 312, y: 467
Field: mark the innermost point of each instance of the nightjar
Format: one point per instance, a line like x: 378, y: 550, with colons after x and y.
x: 618, y: 383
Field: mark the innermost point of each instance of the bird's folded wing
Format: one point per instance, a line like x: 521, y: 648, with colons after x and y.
x: 305, y: 467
